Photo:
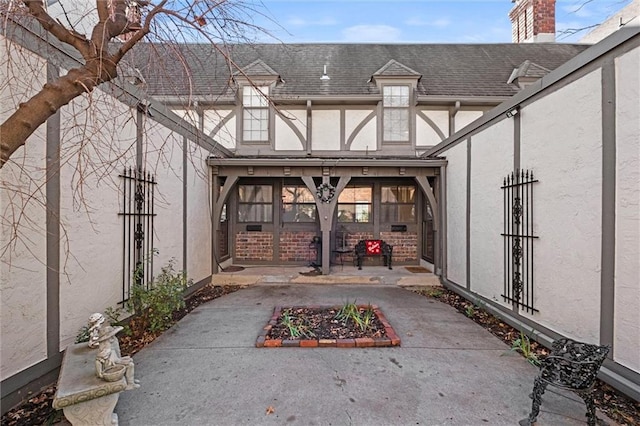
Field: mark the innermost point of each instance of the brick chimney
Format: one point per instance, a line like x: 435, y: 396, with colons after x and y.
x: 533, y: 21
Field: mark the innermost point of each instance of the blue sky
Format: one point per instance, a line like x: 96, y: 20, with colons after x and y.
x: 421, y: 21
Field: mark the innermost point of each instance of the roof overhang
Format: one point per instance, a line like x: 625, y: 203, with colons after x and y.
x: 295, y: 167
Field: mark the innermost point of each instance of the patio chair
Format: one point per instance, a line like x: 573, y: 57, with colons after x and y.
x: 572, y: 366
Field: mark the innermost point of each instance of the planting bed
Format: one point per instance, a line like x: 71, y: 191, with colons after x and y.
x: 318, y: 326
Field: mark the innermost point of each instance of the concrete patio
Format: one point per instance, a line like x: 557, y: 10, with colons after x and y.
x: 206, y: 370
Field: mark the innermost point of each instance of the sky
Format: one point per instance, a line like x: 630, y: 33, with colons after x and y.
x: 416, y: 21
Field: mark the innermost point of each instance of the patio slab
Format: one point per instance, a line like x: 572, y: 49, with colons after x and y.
x: 449, y: 371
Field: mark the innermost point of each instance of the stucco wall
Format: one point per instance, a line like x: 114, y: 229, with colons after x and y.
x: 22, y: 265
x: 90, y: 200
x: 463, y: 118
x: 325, y: 130
x: 286, y: 137
x: 427, y: 130
x: 163, y: 156
x: 564, y: 150
x: 198, y: 214
x: 226, y: 133
x: 456, y: 210
x: 627, y: 267
x: 491, y: 161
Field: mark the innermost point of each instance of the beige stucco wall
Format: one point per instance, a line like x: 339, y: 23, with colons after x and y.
x: 363, y: 137
x: 226, y: 134
x: 456, y: 211
x: 627, y: 267
x: 491, y: 161
x: 198, y: 214
x: 325, y: 130
x: 561, y: 143
x: 22, y: 265
x: 90, y: 200
x: 426, y: 135
x: 286, y: 137
x: 163, y: 156
x: 463, y: 118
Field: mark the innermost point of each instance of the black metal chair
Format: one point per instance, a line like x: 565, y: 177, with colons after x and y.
x: 572, y: 366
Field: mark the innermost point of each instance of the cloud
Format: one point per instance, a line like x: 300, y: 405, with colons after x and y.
x: 419, y: 22
x: 297, y: 21
x: 371, y: 33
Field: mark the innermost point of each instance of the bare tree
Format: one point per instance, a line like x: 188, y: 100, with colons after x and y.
x: 118, y: 25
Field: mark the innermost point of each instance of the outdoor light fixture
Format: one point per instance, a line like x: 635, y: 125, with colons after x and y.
x: 513, y: 112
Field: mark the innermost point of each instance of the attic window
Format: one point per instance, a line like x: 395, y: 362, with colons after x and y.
x: 255, y: 118
x: 395, y: 104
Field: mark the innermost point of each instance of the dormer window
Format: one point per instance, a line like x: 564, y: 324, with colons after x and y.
x: 395, y: 105
x: 255, y: 114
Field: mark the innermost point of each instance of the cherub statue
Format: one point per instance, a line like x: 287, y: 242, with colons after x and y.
x: 104, y: 338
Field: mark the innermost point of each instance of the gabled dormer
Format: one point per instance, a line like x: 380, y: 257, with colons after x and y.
x: 526, y: 73
x: 397, y: 83
x: 255, y: 84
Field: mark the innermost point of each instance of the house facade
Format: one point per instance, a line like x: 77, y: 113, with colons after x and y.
x: 327, y: 139
x: 410, y: 144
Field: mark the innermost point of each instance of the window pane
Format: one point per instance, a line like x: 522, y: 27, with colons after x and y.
x: 255, y: 124
x: 388, y: 213
x: 363, y: 213
x: 252, y: 97
x: 255, y: 193
x: 395, y: 96
x: 255, y: 213
x: 396, y: 124
x: 297, y: 194
x: 356, y: 194
x: 346, y: 213
x: 398, y: 194
x: 299, y: 213
x: 406, y: 213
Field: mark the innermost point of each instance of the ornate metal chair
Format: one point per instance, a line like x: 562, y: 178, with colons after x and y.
x: 373, y: 248
x: 573, y: 366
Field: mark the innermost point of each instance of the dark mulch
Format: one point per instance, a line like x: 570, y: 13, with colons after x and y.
x: 617, y: 406
x: 38, y: 411
x: 321, y: 323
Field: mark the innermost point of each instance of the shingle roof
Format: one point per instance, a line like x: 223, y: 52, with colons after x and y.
x: 465, y: 70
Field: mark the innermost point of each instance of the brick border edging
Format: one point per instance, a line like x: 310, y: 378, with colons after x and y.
x: 391, y: 339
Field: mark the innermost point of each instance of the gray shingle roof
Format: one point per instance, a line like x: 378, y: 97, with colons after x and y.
x: 464, y: 70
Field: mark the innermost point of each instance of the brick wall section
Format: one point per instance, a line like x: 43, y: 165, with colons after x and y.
x: 545, y: 16
x: 254, y: 246
x: 294, y: 247
x: 532, y: 17
x: 405, y: 245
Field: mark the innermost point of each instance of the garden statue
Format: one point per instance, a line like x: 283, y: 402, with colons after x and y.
x: 110, y: 364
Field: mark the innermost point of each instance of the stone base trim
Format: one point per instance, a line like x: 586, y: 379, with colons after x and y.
x: 391, y: 339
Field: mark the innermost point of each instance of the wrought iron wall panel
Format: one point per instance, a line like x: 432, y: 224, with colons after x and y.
x: 137, y: 231
x: 519, y: 239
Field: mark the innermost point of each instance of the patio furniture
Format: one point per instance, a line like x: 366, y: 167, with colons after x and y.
x: 572, y: 366
x: 373, y: 248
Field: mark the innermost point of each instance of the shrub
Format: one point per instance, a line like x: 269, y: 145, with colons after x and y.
x: 154, y: 306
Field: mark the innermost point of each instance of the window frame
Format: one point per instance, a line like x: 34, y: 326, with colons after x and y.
x: 398, y: 205
x: 310, y: 203
x: 242, y: 203
x: 254, y: 99
x: 355, y: 205
x: 387, y: 123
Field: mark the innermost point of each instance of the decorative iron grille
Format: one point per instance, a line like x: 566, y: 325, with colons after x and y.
x: 137, y: 230
x: 518, y: 239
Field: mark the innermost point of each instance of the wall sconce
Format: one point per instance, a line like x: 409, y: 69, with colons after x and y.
x: 513, y: 112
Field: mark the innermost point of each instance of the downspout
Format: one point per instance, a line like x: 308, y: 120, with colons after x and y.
x: 452, y: 117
